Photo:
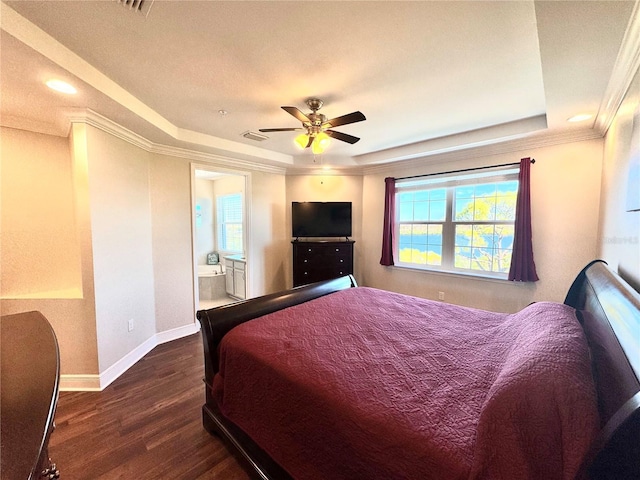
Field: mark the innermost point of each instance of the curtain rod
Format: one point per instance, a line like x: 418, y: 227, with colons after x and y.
x: 533, y: 160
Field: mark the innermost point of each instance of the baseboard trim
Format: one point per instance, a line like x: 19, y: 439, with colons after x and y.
x: 97, y: 383
x: 125, y: 363
x: 80, y: 383
x: 176, y: 333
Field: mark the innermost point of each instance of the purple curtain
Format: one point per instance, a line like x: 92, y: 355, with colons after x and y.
x: 389, y: 216
x: 523, y: 268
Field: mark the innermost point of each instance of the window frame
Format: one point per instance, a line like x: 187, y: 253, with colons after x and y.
x: 221, y: 222
x: 450, y: 182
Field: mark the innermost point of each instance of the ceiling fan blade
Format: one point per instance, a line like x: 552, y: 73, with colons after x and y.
x: 345, y: 119
x: 279, y: 129
x: 296, y: 113
x: 342, y: 136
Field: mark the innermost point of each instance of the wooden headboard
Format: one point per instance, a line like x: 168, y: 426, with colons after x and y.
x: 609, y: 310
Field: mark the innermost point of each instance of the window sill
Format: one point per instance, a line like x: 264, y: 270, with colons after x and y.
x: 449, y: 273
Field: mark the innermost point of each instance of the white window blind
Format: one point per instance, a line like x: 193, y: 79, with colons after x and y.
x: 229, y: 221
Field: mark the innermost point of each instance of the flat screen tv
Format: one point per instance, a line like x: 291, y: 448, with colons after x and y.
x: 321, y: 219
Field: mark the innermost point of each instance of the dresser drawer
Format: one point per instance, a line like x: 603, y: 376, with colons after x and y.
x: 316, y: 261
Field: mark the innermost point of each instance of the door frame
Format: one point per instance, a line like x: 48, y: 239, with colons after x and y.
x: 246, y: 230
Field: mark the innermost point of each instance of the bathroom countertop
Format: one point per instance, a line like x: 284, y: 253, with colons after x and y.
x: 237, y: 257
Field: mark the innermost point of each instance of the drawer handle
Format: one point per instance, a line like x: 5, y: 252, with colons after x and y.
x: 337, y: 249
x: 341, y: 261
x: 305, y: 260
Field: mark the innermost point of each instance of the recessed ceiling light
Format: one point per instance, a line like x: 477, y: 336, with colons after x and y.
x: 223, y: 112
x: 61, y: 86
x: 580, y: 118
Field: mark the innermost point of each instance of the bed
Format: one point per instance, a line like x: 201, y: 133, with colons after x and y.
x: 332, y: 380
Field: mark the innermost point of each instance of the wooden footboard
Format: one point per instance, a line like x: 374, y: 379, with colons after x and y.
x: 216, y: 322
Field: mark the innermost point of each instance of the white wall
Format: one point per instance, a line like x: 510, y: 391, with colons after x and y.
x: 170, y: 191
x: 328, y: 188
x: 205, y: 224
x: 565, y: 192
x: 619, y: 233
x: 268, y: 250
x: 119, y: 194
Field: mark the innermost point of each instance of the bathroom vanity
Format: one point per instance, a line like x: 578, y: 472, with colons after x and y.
x: 235, y: 266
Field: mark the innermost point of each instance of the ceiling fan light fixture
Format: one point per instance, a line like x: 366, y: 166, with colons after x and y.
x: 316, y: 148
x: 320, y: 143
x: 302, y: 140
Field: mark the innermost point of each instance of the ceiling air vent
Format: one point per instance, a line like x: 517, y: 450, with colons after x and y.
x: 141, y: 6
x: 254, y: 136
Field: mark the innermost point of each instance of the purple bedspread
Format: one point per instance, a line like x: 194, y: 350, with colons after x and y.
x: 368, y: 384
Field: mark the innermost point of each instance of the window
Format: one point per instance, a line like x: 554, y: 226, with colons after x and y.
x: 229, y: 221
x: 462, y: 223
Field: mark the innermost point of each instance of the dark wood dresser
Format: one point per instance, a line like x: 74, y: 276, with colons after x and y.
x: 30, y: 372
x: 316, y: 261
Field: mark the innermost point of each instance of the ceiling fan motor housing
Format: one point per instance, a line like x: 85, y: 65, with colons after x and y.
x: 314, y: 125
x: 314, y: 104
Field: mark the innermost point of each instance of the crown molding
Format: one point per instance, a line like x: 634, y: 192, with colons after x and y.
x: 356, y: 171
x: 89, y: 117
x: 114, y: 129
x: 624, y: 70
x: 216, y: 160
x: 537, y: 140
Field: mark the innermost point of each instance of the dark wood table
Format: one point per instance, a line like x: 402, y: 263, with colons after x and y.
x: 30, y: 374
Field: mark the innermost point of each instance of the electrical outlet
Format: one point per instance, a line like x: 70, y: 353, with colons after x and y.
x: 130, y: 325
x: 440, y: 295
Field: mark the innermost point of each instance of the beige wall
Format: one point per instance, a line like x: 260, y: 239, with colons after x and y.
x: 44, y: 191
x: 119, y: 195
x: 170, y: 182
x: 619, y: 235
x: 126, y: 214
x: 268, y: 249
x: 327, y: 188
x: 126, y: 217
x: 565, y: 186
x: 40, y: 257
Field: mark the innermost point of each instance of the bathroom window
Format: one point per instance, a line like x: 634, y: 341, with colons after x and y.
x: 229, y: 222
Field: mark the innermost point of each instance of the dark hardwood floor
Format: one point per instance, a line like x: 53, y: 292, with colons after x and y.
x: 145, y: 425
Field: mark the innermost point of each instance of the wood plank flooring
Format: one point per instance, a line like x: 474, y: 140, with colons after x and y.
x: 145, y: 425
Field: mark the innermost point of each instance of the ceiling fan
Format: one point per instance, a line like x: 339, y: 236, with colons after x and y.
x: 317, y: 127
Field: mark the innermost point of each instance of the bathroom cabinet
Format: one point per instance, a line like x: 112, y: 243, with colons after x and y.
x: 236, y: 282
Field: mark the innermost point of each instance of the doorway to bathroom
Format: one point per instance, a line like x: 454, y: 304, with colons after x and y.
x: 219, y: 213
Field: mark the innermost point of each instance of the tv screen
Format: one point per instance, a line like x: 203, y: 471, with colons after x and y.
x: 321, y: 219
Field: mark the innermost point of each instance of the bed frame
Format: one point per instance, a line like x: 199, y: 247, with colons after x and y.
x: 608, y: 308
